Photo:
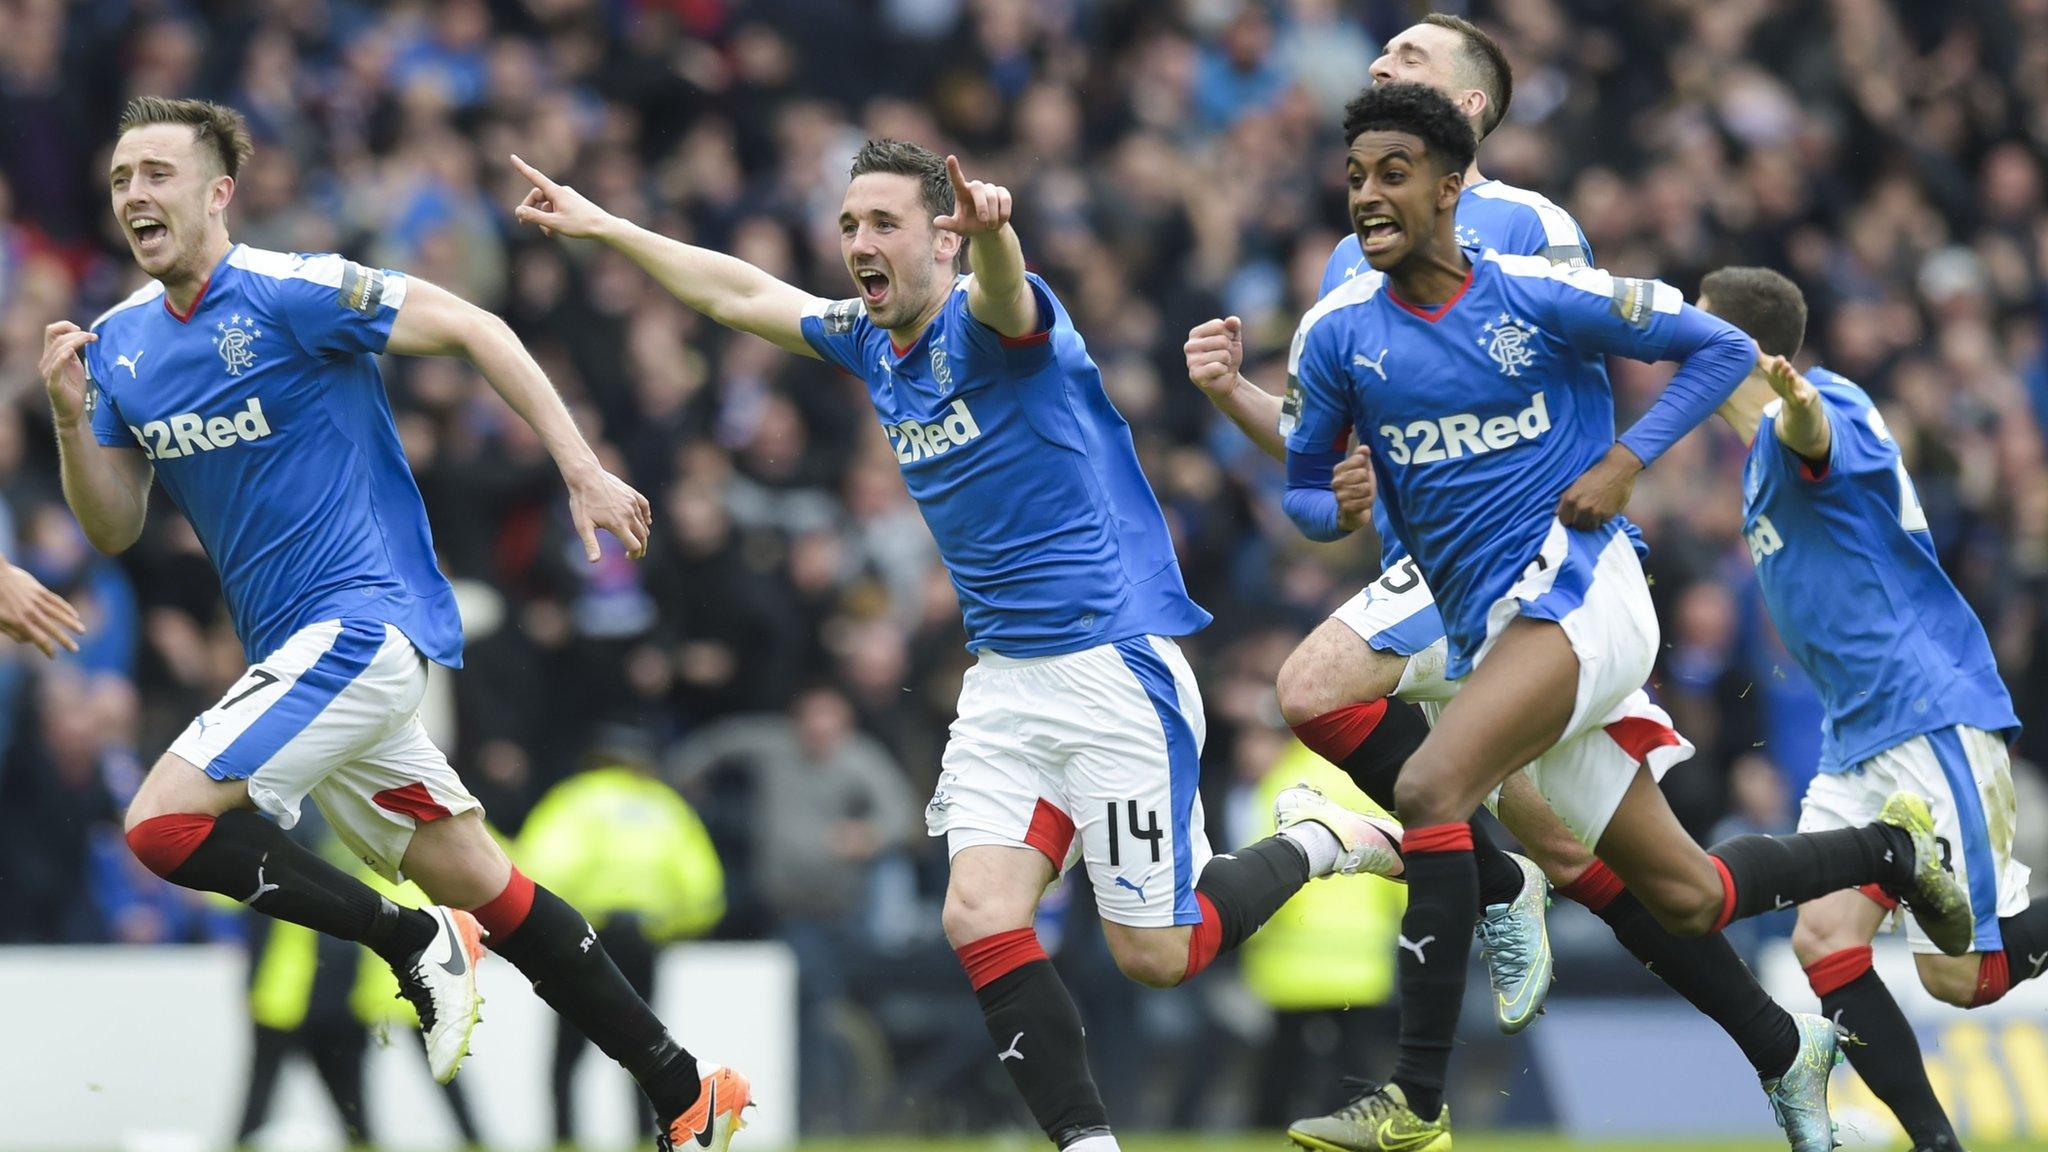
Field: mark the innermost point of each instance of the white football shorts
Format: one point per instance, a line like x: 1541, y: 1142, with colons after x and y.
x: 1094, y: 755
x: 334, y: 714
x: 1966, y: 775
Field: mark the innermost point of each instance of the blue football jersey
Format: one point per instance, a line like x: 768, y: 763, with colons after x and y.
x: 1479, y: 412
x: 1025, y: 473
x: 267, y: 422
x: 1849, y: 573
x: 1512, y: 221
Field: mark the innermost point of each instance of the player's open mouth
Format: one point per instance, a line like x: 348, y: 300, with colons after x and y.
x: 1378, y: 233
x: 149, y: 232
x: 874, y: 285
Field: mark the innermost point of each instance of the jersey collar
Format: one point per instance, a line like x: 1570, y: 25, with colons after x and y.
x: 1437, y: 313
x: 186, y: 316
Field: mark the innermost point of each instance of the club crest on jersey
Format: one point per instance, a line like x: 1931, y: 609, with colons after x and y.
x: 1465, y: 237
x: 235, y: 343
x: 1507, y: 342
x: 942, y: 369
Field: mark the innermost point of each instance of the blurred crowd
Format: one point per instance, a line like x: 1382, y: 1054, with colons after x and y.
x: 789, y: 652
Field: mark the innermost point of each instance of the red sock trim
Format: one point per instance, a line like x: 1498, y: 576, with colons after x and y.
x: 993, y: 957
x: 1994, y: 978
x: 1437, y: 838
x: 1596, y: 887
x: 163, y: 843
x: 1837, y: 970
x: 1878, y: 896
x: 507, y: 910
x: 1205, y: 941
x: 1727, y: 894
x: 1336, y: 734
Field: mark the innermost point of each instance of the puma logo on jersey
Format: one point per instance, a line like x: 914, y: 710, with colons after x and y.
x: 189, y: 433
x: 1464, y: 434
x: 1358, y: 360
x: 131, y: 365
x: 915, y: 441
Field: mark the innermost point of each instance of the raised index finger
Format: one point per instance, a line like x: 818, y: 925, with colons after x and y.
x: 539, y: 178
x: 961, y: 192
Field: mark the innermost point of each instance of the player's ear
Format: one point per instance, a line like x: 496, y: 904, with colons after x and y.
x: 947, y: 245
x: 1448, y: 191
x: 219, y: 194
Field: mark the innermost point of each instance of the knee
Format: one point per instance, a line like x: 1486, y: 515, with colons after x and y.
x: 1814, y: 940
x: 1420, y: 799
x: 162, y: 841
x: 1154, y: 957
x: 975, y: 912
x: 1951, y: 979
x: 456, y: 862
x: 1304, y: 689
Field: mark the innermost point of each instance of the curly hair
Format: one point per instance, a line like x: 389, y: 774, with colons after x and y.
x: 1420, y: 111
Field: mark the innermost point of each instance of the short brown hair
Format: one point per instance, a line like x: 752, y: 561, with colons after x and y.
x: 217, y: 124
x: 902, y: 158
x: 1761, y: 302
x: 1484, y: 56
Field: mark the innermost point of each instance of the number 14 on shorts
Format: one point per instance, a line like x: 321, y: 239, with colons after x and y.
x: 1146, y: 830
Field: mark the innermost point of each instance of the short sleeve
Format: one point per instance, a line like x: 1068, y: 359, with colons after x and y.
x: 837, y: 330
x: 1315, y: 415
x: 1618, y: 315
x: 337, y: 307
x: 985, y: 348
x: 1859, y: 443
x: 107, y: 425
x: 1342, y: 265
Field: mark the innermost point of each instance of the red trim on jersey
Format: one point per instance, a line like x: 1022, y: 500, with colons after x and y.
x: 411, y: 800
x: 1432, y: 314
x: 1205, y: 940
x: 1027, y: 340
x: 1337, y: 733
x: 900, y: 353
x: 1994, y: 978
x: 506, y: 911
x: 1595, y: 888
x: 1837, y: 970
x: 1809, y: 471
x: 1437, y: 838
x: 187, y: 317
x: 1727, y: 893
x: 163, y: 843
x: 1878, y: 896
x: 991, y: 958
x: 1640, y: 735
x: 1051, y: 832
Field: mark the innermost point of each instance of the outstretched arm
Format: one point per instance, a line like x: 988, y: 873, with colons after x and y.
x: 728, y: 290
x: 999, y: 296
x: 435, y: 322
x: 1802, y: 423
x: 1215, y: 354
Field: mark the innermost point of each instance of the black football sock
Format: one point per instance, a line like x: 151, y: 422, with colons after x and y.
x: 1880, y: 1043
x: 1500, y: 878
x: 557, y: 950
x: 1370, y: 742
x: 1240, y: 891
x: 1712, y: 978
x: 2026, y: 942
x: 1435, y: 943
x: 244, y: 856
x: 1037, y: 1033
x: 1767, y: 873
